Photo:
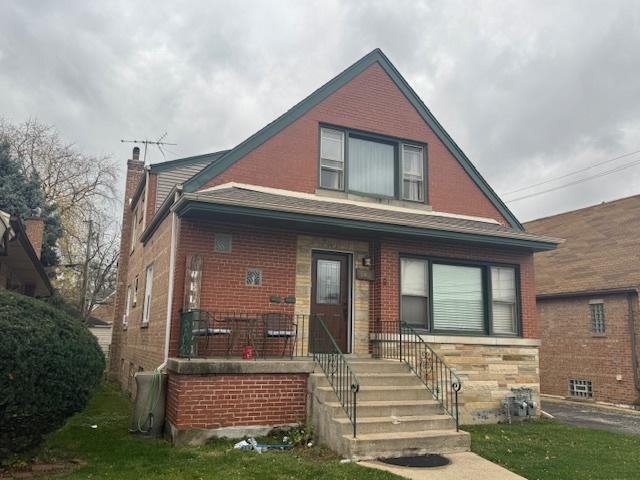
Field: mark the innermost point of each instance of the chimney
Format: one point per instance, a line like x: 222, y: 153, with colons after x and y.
x: 34, y: 227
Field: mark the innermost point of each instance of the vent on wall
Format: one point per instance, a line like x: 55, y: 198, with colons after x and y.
x: 222, y: 242
x: 581, y: 388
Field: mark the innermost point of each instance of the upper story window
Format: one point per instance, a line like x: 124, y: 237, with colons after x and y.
x: 134, y: 233
x: 371, y: 165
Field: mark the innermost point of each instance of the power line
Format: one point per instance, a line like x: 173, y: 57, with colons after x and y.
x: 576, y: 182
x: 572, y: 173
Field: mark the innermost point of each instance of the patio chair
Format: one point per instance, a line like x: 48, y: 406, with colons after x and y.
x: 206, y: 326
x: 280, y: 326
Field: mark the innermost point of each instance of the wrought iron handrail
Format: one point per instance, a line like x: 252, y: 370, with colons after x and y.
x: 398, y: 340
x: 336, y: 368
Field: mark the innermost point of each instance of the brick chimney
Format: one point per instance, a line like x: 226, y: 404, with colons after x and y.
x: 34, y: 227
x: 135, y: 172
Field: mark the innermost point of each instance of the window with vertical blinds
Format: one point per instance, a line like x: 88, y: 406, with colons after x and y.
x: 371, y: 167
x: 458, y: 300
x: 503, y: 294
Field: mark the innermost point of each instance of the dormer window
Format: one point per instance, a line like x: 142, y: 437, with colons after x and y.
x: 371, y: 165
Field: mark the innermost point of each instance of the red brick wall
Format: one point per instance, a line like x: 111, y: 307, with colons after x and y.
x: 215, y: 401
x: 385, y: 294
x: 223, y: 274
x: 570, y: 350
x: 370, y: 102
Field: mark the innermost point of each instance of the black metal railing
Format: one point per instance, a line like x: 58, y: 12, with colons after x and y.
x: 335, y: 366
x: 400, y: 341
x: 229, y: 334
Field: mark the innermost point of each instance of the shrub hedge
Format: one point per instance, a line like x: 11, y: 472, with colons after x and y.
x: 50, y: 365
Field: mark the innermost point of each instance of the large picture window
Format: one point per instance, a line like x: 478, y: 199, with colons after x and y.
x: 372, y: 165
x: 465, y: 298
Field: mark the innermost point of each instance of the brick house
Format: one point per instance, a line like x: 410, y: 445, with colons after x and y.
x: 20, y: 247
x: 349, y: 214
x: 587, y: 299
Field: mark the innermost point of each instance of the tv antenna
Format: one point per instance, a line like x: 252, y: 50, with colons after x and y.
x: 158, y: 143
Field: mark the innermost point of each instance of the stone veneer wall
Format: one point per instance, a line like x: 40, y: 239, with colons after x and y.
x: 489, y: 372
x: 360, y: 301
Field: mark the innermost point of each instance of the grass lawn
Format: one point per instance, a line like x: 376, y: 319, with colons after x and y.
x: 110, y: 452
x: 546, y: 450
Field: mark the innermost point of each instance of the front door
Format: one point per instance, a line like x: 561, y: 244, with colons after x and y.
x: 330, y: 294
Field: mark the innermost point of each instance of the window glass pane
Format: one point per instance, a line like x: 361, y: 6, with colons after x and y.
x: 328, y: 282
x: 412, y: 171
x: 414, y: 310
x: 597, y: 317
x: 147, y: 295
x: 457, y: 298
x: 331, y: 179
x: 503, y: 291
x: 331, y: 145
x: 371, y: 167
x: 413, y: 273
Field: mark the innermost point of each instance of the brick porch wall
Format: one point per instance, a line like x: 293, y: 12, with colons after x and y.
x: 218, y: 401
x: 570, y: 350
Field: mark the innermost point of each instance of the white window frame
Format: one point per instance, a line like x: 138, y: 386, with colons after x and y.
x: 413, y: 178
x: 134, y: 226
x: 148, y: 292
x: 125, y: 317
x: 331, y: 167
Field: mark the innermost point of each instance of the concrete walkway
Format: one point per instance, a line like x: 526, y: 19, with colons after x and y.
x: 463, y: 466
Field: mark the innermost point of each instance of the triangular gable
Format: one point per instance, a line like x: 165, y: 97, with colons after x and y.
x: 296, y: 112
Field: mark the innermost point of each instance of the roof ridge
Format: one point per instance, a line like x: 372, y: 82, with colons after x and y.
x: 192, y: 158
x: 595, y: 205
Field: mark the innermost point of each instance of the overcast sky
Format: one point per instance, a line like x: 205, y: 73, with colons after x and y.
x: 529, y: 90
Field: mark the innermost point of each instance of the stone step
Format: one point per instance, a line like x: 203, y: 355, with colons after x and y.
x: 387, y: 408
x: 394, y: 424
x: 386, y: 445
x: 377, y: 366
x: 400, y: 379
x: 380, y: 393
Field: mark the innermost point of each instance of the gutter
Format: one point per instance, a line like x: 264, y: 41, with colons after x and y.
x: 172, y: 261
x: 585, y: 293
x: 631, y: 296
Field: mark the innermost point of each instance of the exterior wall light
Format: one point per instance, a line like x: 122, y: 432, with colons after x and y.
x: 366, y: 261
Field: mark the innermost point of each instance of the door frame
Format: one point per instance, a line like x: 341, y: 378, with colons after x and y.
x: 350, y: 286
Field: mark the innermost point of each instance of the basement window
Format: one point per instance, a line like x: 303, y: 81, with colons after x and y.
x: 581, y: 388
x: 596, y: 308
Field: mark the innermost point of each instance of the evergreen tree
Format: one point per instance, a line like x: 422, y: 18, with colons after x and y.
x: 20, y: 195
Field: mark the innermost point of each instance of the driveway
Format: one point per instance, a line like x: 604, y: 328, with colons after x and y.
x: 593, y: 417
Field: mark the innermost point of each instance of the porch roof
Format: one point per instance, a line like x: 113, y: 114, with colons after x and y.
x: 303, y: 209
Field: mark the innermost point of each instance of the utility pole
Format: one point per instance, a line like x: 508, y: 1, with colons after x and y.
x: 85, y: 273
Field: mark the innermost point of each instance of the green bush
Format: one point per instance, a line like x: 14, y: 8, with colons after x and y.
x: 50, y: 365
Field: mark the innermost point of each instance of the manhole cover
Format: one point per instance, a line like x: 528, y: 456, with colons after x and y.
x: 419, y: 461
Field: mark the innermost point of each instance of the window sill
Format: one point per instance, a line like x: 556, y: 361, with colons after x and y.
x: 144, y: 325
x: 327, y: 192
x: 480, y: 340
x: 599, y: 335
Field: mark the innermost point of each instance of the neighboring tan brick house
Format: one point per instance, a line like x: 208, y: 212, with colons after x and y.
x: 354, y: 206
x: 587, y: 297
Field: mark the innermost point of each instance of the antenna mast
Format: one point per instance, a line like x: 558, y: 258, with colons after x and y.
x: 158, y: 143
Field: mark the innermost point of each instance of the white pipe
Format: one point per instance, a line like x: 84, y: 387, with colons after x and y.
x: 172, y: 260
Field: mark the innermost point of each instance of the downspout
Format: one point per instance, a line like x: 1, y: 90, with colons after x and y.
x: 634, y: 343
x: 172, y: 261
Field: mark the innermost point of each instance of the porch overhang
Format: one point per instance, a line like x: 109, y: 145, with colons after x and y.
x: 325, y: 216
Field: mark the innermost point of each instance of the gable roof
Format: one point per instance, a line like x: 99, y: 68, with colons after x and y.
x: 181, y: 162
x: 600, y: 251
x: 297, y: 111
x: 275, y: 206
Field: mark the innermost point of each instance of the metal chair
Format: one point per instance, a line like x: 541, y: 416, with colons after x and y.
x: 205, y: 326
x: 280, y: 326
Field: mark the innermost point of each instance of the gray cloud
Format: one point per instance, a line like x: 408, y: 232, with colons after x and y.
x: 530, y: 90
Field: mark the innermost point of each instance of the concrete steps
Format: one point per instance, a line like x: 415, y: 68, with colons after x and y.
x: 396, y: 414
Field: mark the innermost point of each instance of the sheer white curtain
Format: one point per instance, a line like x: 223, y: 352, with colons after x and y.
x: 371, y: 167
x: 503, y: 286
x: 413, y: 179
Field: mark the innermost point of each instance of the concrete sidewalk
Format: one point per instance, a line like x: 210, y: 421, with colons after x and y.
x: 463, y: 466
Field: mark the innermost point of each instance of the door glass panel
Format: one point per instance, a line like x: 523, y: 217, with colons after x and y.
x: 328, y: 282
